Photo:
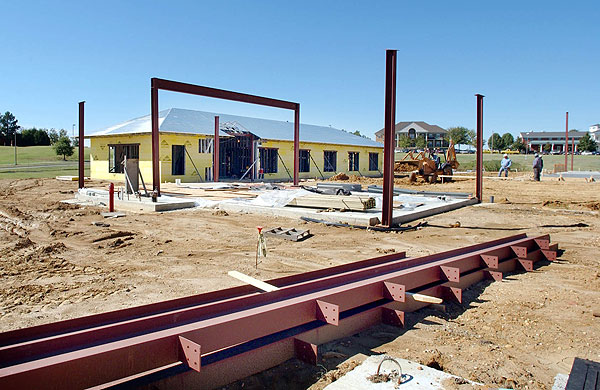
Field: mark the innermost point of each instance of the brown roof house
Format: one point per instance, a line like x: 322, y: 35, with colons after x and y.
x: 435, y: 135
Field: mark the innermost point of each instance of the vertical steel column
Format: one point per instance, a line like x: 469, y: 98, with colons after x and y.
x: 81, y: 146
x: 388, y: 138
x: 155, y: 136
x: 296, y: 142
x: 479, y: 173
x: 566, y: 140
x: 216, y: 142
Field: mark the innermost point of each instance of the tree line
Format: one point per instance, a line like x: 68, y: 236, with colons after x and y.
x: 10, y: 131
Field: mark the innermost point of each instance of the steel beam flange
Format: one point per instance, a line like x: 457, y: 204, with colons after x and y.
x: 394, y: 291
x: 392, y: 317
x: 494, y: 275
x: 526, y: 264
x: 451, y: 273
x: 452, y: 294
x: 543, y: 243
x: 190, y: 353
x: 305, y: 351
x: 520, y: 251
x: 490, y: 261
x: 328, y: 312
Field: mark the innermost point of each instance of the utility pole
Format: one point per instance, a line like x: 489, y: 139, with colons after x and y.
x: 15, y: 147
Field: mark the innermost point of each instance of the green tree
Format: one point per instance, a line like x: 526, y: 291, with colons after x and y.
x: 404, y: 141
x: 547, y: 148
x: 8, y: 127
x: 63, y: 147
x: 495, y: 142
x: 587, y: 144
x: 460, y: 135
x: 473, y: 139
x: 357, y: 132
x: 53, y: 135
x: 519, y: 146
x: 507, y: 140
x: 421, y: 142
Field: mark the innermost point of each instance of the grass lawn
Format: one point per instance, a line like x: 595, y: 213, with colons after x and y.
x: 34, y: 155
x: 38, y: 162
x: 522, y: 162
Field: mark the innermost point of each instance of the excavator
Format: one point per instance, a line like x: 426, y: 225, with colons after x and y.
x: 428, y: 164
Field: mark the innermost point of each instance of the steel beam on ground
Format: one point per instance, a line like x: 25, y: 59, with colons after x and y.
x: 389, y: 138
x: 260, y: 315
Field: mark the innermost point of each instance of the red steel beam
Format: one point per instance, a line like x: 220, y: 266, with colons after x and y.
x: 389, y: 137
x: 349, y: 272
x: 198, y: 90
x: 155, y: 136
x: 81, y: 144
x: 566, y: 139
x: 479, y: 167
x: 216, y: 145
x: 214, y: 333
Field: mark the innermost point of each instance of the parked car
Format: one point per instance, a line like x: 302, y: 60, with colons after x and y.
x: 587, y: 153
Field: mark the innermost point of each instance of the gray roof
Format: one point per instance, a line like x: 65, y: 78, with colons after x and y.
x: 574, y: 133
x: 401, y: 125
x: 179, y: 120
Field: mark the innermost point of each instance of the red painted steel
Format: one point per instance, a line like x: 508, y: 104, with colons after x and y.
x: 111, y: 197
x: 566, y: 139
x: 146, y: 344
x: 479, y: 166
x: 296, y: 143
x: 389, y: 137
x: 81, y: 144
x: 216, y: 145
x: 175, y: 86
x: 155, y: 136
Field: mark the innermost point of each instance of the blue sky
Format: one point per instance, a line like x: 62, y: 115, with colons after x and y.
x: 533, y: 60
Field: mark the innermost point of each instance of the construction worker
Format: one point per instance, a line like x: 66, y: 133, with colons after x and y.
x: 504, y: 166
x: 538, y: 164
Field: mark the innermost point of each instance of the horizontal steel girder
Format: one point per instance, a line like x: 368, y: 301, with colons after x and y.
x: 134, y: 345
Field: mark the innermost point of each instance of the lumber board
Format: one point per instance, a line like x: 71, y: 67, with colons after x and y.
x: 352, y: 202
x: 254, y: 282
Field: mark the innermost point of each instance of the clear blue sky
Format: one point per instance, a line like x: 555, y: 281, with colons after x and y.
x: 533, y: 60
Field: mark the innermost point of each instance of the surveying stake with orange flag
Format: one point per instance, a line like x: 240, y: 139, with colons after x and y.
x: 261, y: 245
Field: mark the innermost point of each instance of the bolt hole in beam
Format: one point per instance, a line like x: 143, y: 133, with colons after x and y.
x: 157, y: 84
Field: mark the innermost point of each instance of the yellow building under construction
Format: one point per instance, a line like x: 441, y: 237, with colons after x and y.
x: 249, y: 148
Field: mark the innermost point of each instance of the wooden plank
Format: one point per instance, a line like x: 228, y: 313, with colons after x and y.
x: 584, y: 375
x: 254, y: 282
x: 352, y: 202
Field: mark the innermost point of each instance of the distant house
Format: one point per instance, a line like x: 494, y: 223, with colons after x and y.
x: 595, y: 132
x: 248, y: 146
x: 535, y: 140
x: 434, y: 134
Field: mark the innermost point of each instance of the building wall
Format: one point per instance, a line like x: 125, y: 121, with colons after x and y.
x: 99, y: 154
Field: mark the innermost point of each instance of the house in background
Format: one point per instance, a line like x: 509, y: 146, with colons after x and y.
x: 595, y: 132
x: 535, y: 140
x: 434, y: 134
x: 186, y: 140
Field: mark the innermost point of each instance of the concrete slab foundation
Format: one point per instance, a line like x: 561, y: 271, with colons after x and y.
x: 165, y: 203
x: 415, y: 377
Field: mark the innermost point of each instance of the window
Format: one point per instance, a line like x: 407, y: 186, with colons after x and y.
x: 373, y: 161
x: 412, y: 133
x: 353, y: 161
x: 118, y: 153
x: 205, y: 145
x: 268, y: 160
x: 304, y: 160
x: 329, y: 160
x: 178, y: 160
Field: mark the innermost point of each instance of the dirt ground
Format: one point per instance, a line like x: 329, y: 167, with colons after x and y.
x: 518, y: 333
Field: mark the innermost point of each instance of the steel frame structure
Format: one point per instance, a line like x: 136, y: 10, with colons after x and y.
x: 389, y: 139
x: 81, y: 179
x: 208, y: 340
x: 157, y: 84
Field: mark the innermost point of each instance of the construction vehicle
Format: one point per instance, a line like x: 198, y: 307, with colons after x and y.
x: 427, y: 164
